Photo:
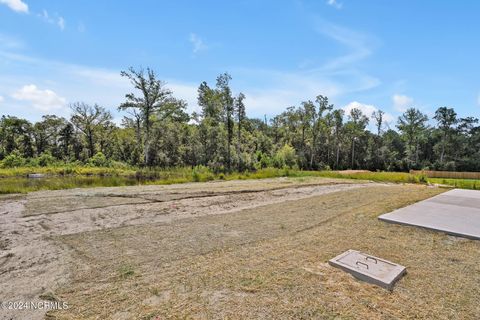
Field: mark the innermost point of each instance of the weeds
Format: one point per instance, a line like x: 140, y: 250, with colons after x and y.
x: 14, y: 180
x: 458, y: 183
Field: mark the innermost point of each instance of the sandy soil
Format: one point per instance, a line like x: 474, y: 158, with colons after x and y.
x: 229, y: 250
x: 33, y: 263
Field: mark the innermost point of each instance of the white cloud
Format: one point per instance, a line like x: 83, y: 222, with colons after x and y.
x: 2, y: 99
x: 16, y: 5
x: 270, y: 91
x: 187, y: 92
x: 44, y: 100
x: 335, y: 4
x: 61, y: 23
x: 197, y: 42
x: 359, y: 45
x: 44, y: 15
x: 108, y: 88
x: 99, y: 76
x: 344, y: 70
x: 10, y: 42
x: 367, y: 110
x: 401, y: 102
x: 269, y: 102
x: 57, y: 20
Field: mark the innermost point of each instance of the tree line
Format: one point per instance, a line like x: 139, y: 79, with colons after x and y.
x: 157, y: 131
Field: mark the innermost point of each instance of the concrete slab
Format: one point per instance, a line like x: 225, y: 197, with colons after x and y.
x: 455, y: 212
x: 369, y: 268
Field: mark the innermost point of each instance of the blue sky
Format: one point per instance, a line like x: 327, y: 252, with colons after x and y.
x: 368, y: 54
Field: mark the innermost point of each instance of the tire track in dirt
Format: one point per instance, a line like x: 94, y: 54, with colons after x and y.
x: 174, y: 196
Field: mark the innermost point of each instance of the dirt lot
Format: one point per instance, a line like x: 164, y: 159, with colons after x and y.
x: 238, y: 249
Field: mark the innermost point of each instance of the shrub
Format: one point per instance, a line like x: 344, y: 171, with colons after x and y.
x: 262, y: 160
x: 202, y: 174
x: 195, y: 175
x: 13, y: 160
x: 45, y: 160
x: 119, y: 165
x: 285, y: 157
x: 98, y: 160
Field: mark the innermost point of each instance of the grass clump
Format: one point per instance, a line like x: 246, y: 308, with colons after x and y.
x: 126, y: 271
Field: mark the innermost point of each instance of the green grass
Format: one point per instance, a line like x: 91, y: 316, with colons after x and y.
x: 457, y: 183
x: 67, y: 170
x: 24, y: 185
x: 397, y: 177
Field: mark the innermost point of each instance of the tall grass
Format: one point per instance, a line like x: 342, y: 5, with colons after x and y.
x: 67, y: 170
x: 23, y: 185
x: 458, y: 183
x: 397, y: 177
x: 15, y: 180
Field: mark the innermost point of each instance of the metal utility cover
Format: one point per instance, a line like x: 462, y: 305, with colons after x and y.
x: 369, y: 268
x: 456, y: 212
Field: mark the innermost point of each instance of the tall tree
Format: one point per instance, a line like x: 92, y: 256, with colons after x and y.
x: 446, y: 118
x: 356, y: 126
x: 225, y: 94
x: 16, y: 134
x: 66, y: 140
x: 46, y: 133
x: 338, y: 131
x: 210, y: 127
x: 153, y: 97
x: 241, y: 115
x: 306, y: 115
x: 378, y: 117
x: 319, y: 124
x: 89, y: 120
x: 412, y: 125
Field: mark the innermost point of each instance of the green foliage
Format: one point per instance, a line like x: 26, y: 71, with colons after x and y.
x: 263, y: 160
x: 472, y: 184
x: 195, y: 175
x: 202, y: 174
x: 13, y: 160
x: 285, y: 157
x: 46, y: 159
x: 98, y: 160
x: 422, y: 178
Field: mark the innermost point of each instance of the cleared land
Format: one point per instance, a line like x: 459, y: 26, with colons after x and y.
x: 235, y: 249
